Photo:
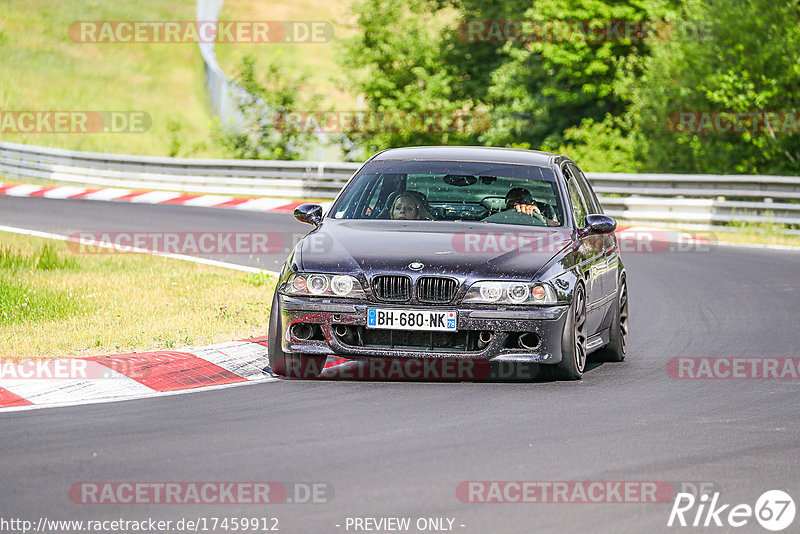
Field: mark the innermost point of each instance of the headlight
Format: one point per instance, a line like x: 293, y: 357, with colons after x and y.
x: 500, y: 292
x: 317, y: 284
x: 342, y: 284
x: 491, y: 291
x: 323, y: 285
x: 519, y: 293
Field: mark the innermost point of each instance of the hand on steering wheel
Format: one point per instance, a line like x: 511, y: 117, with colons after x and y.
x: 529, y: 209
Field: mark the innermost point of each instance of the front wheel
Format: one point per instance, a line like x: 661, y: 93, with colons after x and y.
x: 283, y: 363
x: 277, y: 358
x: 573, y: 340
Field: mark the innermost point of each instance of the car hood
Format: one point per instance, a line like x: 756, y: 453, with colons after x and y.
x: 463, y: 250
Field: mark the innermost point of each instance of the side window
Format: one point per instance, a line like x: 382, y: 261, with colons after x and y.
x: 579, y: 210
x: 591, y: 200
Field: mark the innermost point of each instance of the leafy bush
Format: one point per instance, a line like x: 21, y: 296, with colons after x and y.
x: 741, y: 63
x: 269, y: 99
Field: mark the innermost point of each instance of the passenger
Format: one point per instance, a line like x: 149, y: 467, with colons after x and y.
x: 410, y: 205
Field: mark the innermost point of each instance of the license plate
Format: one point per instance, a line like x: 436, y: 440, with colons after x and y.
x: 393, y: 319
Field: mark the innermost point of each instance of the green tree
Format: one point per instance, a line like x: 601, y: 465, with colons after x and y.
x: 474, y: 57
x: 398, y: 61
x: 557, y: 82
x: 265, y: 133
x: 607, y: 146
x: 745, y: 61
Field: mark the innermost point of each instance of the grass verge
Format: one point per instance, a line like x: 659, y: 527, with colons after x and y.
x: 43, y: 69
x: 758, y: 233
x: 739, y: 233
x: 751, y: 235
x: 56, y: 304
x: 315, y: 60
x: 746, y: 237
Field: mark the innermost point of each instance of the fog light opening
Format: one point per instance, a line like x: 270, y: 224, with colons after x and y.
x: 529, y: 341
x: 302, y: 331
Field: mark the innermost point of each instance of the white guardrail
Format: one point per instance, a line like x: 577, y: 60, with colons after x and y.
x: 224, y: 95
x: 693, y: 199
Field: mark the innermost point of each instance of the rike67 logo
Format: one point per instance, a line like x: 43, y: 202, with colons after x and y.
x: 774, y: 510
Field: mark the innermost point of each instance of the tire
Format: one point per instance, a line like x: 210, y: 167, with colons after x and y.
x: 287, y: 364
x: 277, y: 358
x: 616, y: 349
x: 573, y: 340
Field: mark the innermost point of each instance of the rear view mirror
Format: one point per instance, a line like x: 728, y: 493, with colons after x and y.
x: 460, y: 180
x: 598, y: 224
x: 308, y: 213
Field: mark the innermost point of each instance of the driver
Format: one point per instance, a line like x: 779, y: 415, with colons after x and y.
x: 520, y: 209
x: 410, y: 205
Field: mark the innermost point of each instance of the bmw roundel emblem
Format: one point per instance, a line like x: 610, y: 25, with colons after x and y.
x: 416, y: 266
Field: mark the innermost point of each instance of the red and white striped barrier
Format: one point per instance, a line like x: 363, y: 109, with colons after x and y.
x: 150, y: 197
x: 242, y: 203
x: 125, y: 376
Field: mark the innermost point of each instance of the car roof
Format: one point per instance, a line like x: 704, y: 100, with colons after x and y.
x: 469, y: 153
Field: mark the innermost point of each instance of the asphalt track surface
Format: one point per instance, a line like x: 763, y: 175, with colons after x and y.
x: 401, y: 449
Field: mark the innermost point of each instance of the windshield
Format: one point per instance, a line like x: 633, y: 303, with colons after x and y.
x: 453, y: 191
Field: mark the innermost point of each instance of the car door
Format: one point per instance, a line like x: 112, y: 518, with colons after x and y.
x: 610, y: 248
x: 591, y: 253
x: 610, y: 273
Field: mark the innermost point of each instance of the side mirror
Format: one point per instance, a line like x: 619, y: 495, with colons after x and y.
x: 598, y: 224
x: 309, y: 213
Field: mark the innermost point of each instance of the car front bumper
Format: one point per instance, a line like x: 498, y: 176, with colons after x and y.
x: 546, y: 322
